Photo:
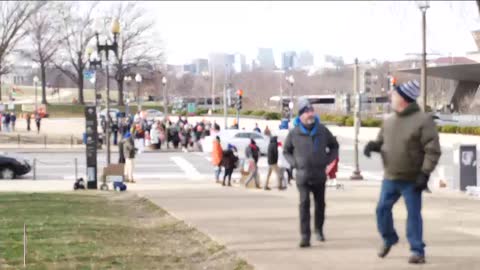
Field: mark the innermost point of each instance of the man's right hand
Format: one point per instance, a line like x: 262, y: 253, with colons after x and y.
x: 371, y: 147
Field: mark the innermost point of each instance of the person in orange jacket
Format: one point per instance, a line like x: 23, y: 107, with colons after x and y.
x: 217, y: 155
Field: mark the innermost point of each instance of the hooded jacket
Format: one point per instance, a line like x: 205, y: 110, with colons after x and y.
x: 310, y: 151
x: 272, y: 154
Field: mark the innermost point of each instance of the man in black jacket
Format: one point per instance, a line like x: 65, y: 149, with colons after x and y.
x: 309, y: 148
x: 272, y: 162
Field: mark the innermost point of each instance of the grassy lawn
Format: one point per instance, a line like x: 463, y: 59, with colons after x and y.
x: 102, y: 231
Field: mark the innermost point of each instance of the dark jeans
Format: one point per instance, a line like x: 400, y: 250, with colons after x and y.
x: 390, y: 193
x: 228, y: 173
x: 318, y: 190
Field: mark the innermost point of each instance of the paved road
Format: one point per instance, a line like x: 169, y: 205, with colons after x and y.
x: 156, y: 166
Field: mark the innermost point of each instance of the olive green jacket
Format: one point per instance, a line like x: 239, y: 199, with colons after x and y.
x: 409, y: 144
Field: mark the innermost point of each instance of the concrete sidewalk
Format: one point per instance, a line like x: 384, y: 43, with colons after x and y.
x: 263, y: 227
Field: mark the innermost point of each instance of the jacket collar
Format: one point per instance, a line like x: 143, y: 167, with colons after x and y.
x: 410, y: 109
x: 300, y: 129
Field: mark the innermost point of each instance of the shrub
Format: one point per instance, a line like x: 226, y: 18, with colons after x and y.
x: 449, y: 129
x: 247, y: 112
x: 349, y: 121
x: 371, y: 122
x: 201, y: 111
x: 272, y: 116
x: 258, y: 113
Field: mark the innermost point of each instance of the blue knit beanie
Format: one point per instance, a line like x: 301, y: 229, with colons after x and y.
x: 410, y: 91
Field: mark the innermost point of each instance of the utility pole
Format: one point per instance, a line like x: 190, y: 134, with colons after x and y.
x: 424, y: 60
x: 225, y: 113
x: 356, y: 174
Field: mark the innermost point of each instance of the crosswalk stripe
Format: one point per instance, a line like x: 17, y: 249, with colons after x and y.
x: 187, y: 167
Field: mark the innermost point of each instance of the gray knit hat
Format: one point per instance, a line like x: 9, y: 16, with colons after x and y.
x: 410, y: 91
x: 303, y: 105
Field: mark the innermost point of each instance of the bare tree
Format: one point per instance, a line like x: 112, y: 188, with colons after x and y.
x: 13, y: 16
x: 478, y: 4
x: 43, y: 29
x: 138, y: 45
x: 78, y: 32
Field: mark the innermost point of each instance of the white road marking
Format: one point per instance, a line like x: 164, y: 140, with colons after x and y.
x: 187, y: 167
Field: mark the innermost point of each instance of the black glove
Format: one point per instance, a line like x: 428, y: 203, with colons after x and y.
x: 371, y: 147
x: 421, y: 183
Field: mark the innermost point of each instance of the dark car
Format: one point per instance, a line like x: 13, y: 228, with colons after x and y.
x: 12, y: 167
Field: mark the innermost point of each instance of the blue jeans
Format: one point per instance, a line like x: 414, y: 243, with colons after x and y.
x: 218, y: 170
x: 390, y: 193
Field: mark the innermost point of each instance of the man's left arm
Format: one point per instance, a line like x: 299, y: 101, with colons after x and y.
x: 332, y: 145
x: 431, y: 146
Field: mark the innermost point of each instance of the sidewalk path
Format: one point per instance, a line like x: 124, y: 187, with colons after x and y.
x: 263, y: 227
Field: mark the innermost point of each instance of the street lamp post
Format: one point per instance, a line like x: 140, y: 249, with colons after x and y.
x: 138, y: 79
x: 356, y: 174
x: 35, y: 82
x: 291, y: 80
x: 127, y: 80
x: 107, y: 48
x: 165, y: 97
x: 423, y: 6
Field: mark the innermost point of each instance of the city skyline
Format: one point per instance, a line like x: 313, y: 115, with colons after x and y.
x: 383, y: 30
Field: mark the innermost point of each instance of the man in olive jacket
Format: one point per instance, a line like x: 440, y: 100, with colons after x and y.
x: 410, y: 149
x: 309, y: 148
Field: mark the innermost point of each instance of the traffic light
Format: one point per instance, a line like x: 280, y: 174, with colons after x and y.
x: 239, y: 99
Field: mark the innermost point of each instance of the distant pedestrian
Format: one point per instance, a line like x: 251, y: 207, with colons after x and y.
x: 121, y: 152
x: 252, y: 152
x: 257, y: 129
x: 6, y: 122
x: 38, y: 121
x: 139, y: 137
x: 217, y: 154
x: 29, y: 120
x: 409, y: 143
x: 229, y: 161
x: 115, y: 130
x: 267, y: 132
x: 285, y: 168
x: 273, y: 163
x: 13, y: 120
x: 309, y: 148
x: 129, y: 152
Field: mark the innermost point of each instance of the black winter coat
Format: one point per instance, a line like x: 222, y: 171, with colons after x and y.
x: 272, y: 154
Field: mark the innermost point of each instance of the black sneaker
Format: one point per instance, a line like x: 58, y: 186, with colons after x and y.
x: 320, y: 237
x: 416, y: 259
x: 304, y: 243
x: 384, y: 250
x: 267, y: 188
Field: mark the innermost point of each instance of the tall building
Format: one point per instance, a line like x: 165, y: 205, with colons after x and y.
x: 190, y: 68
x: 240, y: 63
x: 201, y: 65
x: 265, y: 57
x: 289, y: 60
x: 305, y: 59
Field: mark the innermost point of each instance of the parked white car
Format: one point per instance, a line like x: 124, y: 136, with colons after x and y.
x: 239, y: 138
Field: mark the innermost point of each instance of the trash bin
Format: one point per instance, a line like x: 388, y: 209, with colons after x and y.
x: 465, y: 163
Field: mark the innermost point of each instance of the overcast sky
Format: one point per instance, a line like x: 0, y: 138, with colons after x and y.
x: 384, y: 30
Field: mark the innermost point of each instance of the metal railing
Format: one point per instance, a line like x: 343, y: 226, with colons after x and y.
x: 36, y: 161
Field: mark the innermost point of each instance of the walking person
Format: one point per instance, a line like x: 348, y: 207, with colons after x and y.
x: 13, y: 120
x: 409, y: 144
x: 273, y: 163
x: 115, y: 130
x: 29, y: 120
x: 6, y: 122
x: 130, y: 152
x: 121, y: 153
x: 252, y: 152
x: 309, y: 148
x: 229, y: 161
x: 217, y: 154
x: 38, y: 122
x: 284, y: 168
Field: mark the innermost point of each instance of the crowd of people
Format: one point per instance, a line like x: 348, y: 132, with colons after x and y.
x: 8, y: 121
x: 157, y: 133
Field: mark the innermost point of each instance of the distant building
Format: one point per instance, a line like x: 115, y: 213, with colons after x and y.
x: 305, y: 59
x: 266, y: 59
x: 289, y: 60
x: 201, y: 65
x: 190, y: 68
x: 239, y: 63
